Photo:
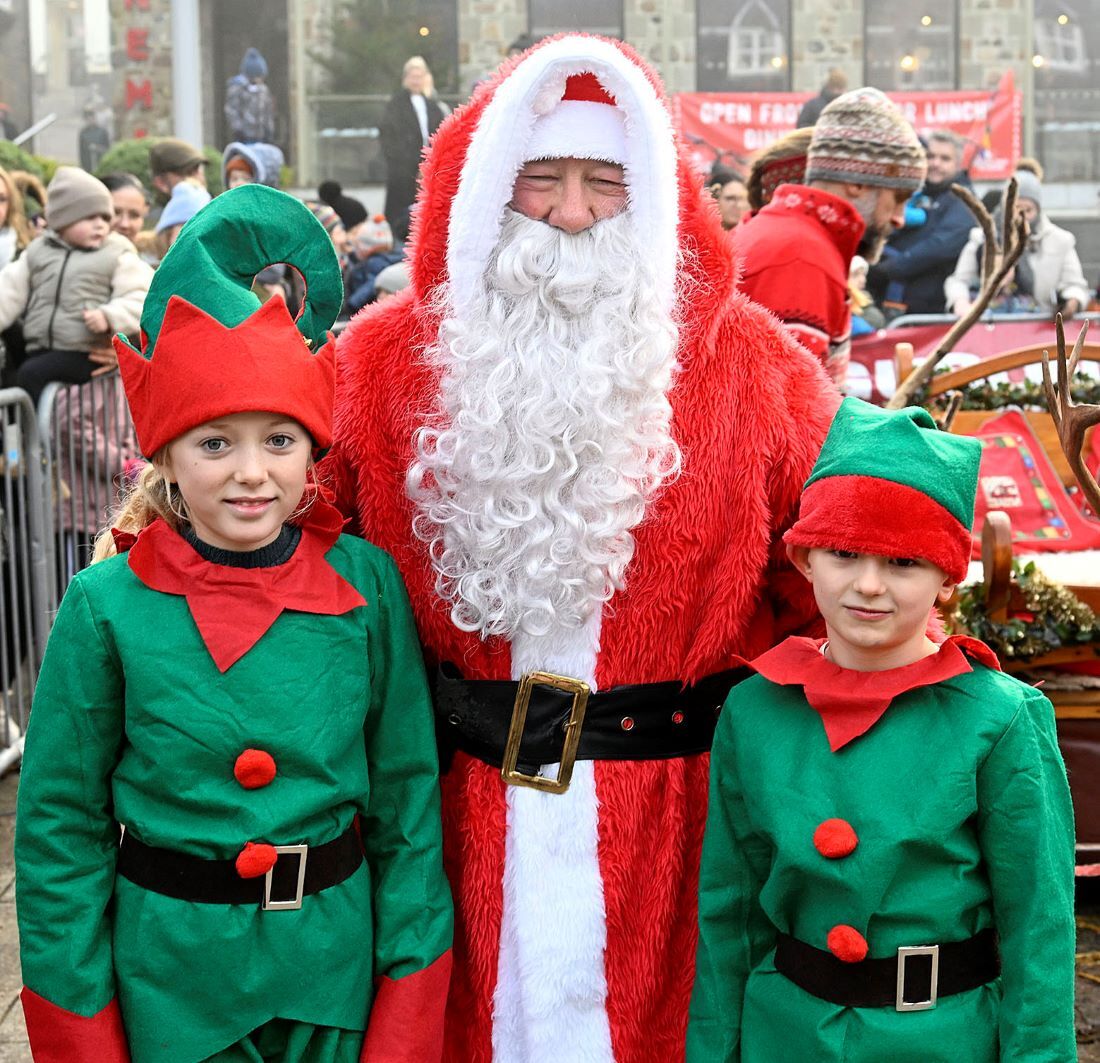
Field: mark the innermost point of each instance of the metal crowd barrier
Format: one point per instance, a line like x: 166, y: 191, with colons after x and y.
x: 28, y: 596
x: 988, y: 318
x: 61, y: 469
x: 88, y: 437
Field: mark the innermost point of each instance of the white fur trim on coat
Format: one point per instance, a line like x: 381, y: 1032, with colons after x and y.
x: 499, y: 147
x: 550, y: 1003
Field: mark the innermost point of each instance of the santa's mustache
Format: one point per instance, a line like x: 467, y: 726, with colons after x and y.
x: 552, y: 431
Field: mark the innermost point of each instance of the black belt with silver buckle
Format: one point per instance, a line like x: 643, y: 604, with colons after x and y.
x: 548, y: 719
x: 299, y: 871
x: 913, y: 980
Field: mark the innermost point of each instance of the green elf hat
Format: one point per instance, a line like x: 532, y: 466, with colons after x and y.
x: 209, y: 348
x: 889, y: 482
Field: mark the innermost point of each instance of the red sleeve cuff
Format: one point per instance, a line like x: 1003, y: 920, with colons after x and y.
x: 406, y: 1021
x: 60, y: 1036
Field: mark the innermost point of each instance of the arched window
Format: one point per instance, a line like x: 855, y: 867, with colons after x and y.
x: 743, y: 45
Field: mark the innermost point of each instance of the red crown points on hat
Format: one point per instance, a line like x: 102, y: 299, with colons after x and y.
x: 202, y: 370
x: 586, y: 88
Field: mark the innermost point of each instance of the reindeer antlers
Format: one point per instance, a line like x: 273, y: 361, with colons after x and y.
x: 998, y: 262
x: 1072, y: 421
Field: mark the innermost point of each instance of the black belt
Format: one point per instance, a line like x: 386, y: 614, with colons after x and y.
x: 910, y: 981
x: 647, y: 721
x: 299, y: 870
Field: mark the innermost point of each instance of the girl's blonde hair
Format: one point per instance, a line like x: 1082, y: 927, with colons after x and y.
x: 149, y: 497
x: 17, y: 216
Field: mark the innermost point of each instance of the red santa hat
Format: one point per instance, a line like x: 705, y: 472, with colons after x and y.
x: 538, y: 107
x: 585, y: 124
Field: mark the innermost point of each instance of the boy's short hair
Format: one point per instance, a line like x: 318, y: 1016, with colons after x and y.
x: 74, y: 194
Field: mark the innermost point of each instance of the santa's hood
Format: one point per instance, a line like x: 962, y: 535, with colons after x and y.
x: 475, y: 155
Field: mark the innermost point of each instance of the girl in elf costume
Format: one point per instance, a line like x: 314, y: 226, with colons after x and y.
x: 241, y: 690
x: 887, y: 872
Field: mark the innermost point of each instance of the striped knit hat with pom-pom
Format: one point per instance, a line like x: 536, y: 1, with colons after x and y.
x: 861, y: 137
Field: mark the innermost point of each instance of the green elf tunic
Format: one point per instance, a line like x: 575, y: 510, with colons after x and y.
x: 945, y: 779
x: 205, y: 707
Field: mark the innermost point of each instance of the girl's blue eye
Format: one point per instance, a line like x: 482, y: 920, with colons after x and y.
x: 905, y: 562
x: 281, y: 440
x: 845, y: 555
x: 212, y: 446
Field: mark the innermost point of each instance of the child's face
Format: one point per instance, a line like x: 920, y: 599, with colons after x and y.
x: 238, y: 177
x: 875, y: 608
x: 241, y: 477
x: 88, y: 233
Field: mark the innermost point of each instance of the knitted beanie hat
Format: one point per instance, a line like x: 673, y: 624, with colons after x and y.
x: 325, y: 215
x: 350, y: 210
x: 253, y: 65
x: 374, y: 235
x: 863, y: 138
x: 188, y: 198
x: 239, y: 162
x: 781, y: 163
x: 1028, y: 186
x: 889, y: 482
x: 74, y: 194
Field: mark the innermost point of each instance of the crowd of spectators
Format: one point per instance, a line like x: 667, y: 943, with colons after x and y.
x: 929, y: 262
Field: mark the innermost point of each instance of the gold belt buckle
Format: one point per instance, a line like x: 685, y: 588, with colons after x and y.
x: 580, y: 691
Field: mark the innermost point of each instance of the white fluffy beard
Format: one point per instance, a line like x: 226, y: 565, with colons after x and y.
x: 552, y: 431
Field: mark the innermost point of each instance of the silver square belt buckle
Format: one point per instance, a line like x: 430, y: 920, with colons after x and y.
x: 301, y: 851
x: 904, y: 953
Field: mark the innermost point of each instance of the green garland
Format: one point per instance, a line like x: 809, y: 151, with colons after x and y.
x: 1028, y: 394
x: 1052, y: 617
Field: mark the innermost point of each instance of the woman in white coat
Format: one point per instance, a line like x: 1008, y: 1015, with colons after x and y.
x: 1047, y: 277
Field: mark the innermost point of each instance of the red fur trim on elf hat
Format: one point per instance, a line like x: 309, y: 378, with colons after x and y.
x: 871, y: 516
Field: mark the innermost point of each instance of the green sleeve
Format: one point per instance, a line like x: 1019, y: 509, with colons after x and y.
x: 1025, y: 831
x: 734, y: 933
x: 402, y: 828
x: 66, y: 837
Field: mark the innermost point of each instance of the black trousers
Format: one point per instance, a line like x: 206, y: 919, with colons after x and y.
x: 40, y: 367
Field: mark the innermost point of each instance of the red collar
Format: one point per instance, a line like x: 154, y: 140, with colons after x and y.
x: 839, y: 219
x: 164, y: 561
x: 851, y: 703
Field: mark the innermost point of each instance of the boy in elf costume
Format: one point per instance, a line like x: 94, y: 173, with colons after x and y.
x: 887, y: 872
x: 241, y: 688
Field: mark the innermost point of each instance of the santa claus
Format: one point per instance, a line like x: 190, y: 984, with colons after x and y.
x: 581, y: 445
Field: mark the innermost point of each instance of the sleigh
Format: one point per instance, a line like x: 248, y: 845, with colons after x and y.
x: 1044, y: 458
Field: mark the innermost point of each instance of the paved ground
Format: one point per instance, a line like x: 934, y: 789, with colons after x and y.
x: 1088, y: 972
x: 13, y: 1034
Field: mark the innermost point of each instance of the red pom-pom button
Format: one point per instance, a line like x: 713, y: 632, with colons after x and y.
x: 256, y: 859
x: 847, y: 944
x: 835, y: 838
x: 254, y: 768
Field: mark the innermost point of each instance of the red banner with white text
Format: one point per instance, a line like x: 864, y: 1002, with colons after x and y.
x: 730, y: 127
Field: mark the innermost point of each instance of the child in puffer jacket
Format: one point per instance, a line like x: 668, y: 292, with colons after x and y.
x: 73, y: 286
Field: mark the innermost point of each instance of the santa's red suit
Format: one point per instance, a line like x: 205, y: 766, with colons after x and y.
x: 576, y: 913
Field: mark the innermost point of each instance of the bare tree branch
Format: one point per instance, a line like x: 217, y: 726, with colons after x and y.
x: 1016, y: 233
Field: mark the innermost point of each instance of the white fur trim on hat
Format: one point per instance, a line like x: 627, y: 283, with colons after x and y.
x: 579, y: 129
x: 499, y: 148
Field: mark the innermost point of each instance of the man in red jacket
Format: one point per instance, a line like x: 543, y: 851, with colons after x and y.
x: 864, y: 162
x: 582, y: 445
